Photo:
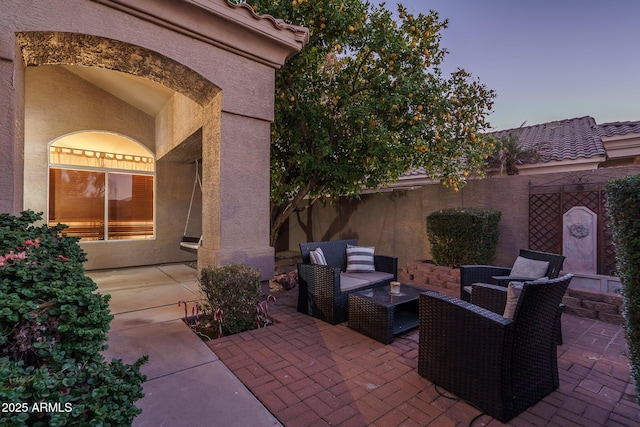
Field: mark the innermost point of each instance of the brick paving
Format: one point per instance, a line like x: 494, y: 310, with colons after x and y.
x: 310, y: 373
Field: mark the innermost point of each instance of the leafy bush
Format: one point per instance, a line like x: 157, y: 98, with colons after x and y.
x: 235, y: 289
x: 53, y: 326
x: 463, y: 236
x: 623, y: 206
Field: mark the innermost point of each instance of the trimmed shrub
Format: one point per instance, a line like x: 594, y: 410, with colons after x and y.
x: 53, y: 326
x: 463, y: 236
x: 623, y: 207
x: 234, y: 289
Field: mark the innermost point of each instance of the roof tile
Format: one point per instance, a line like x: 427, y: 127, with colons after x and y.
x: 561, y: 140
x: 618, y: 128
x: 567, y: 139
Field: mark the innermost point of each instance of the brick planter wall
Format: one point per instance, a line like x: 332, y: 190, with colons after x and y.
x: 424, y: 273
x: 594, y: 305
x: 606, y: 307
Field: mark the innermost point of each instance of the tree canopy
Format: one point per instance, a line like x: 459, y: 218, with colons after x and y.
x: 366, y: 101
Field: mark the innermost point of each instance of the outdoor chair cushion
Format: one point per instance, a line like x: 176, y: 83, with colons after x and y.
x: 369, y: 278
x: 349, y: 283
x: 529, y: 268
x: 360, y: 259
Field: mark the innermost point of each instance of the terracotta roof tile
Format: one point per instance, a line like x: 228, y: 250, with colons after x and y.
x: 567, y: 139
x: 561, y: 140
x: 618, y: 128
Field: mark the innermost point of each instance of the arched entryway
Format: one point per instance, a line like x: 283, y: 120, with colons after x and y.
x: 66, y: 94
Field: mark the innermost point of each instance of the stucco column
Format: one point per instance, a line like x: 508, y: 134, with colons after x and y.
x: 236, y: 193
x: 12, y: 126
x: 208, y: 252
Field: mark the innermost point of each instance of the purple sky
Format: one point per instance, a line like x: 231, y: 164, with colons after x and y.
x: 546, y: 59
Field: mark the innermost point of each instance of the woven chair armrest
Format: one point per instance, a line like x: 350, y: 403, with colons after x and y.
x: 504, y: 280
x: 455, y: 308
x: 386, y: 264
x: 470, y: 274
x: 319, y: 288
x: 491, y: 297
x: 312, y: 273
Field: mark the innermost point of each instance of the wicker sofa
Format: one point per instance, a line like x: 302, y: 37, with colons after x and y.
x: 324, y: 289
x: 499, y: 364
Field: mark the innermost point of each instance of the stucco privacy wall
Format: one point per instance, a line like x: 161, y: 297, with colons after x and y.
x: 229, y: 47
x: 395, y: 222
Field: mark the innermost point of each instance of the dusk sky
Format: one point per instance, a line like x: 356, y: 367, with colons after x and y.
x: 546, y: 59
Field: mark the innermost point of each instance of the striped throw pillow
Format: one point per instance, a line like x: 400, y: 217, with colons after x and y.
x: 317, y: 257
x: 360, y: 259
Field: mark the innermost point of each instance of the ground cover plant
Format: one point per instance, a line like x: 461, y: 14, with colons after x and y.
x: 623, y: 207
x: 365, y: 101
x: 53, y: 327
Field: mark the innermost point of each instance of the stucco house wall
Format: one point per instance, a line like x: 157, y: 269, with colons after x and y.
x: 221, y: 56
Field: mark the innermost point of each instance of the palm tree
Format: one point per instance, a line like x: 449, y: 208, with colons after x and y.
x: 510, y: 154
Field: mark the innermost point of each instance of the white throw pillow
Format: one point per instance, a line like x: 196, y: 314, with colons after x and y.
x: 513, y: 294
x: 317, y: 257
x: 529, y: 268
x: 360, y: 259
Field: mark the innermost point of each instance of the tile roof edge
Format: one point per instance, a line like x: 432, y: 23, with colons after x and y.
x: 301, y: 34
x: 589, y: 118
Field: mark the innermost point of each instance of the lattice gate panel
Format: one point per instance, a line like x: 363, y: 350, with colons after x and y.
x: 545, y: 228
x: 588, y: 199
x: 545, y: 221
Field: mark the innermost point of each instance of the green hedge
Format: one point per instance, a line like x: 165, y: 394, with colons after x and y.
x: 53, y: 328
x: 463, y: 236
x: 623, y: 206
x: 234, y: 289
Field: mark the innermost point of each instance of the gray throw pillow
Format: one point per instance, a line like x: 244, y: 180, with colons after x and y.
x: 529, y: 268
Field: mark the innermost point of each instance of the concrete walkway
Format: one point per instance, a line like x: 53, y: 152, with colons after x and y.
x: 187, y: 384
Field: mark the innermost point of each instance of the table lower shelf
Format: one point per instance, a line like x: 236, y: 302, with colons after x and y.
x: 404, y: 320
x: 382, y: 322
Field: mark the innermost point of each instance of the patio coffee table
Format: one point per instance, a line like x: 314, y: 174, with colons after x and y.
x: 380, y: 315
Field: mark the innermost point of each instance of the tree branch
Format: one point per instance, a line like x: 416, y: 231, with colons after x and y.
x: 291, y: 206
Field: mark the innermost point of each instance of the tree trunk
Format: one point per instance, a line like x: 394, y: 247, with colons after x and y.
x: 290, y: 208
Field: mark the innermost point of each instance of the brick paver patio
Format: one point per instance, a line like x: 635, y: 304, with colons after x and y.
x: 310, y: 373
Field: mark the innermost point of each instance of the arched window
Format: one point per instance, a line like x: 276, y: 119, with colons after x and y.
x: 101, y: 185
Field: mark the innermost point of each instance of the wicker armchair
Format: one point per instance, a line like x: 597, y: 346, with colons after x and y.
x: 320, y: 293
x: 470, y: 274
x: 501, y: 365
